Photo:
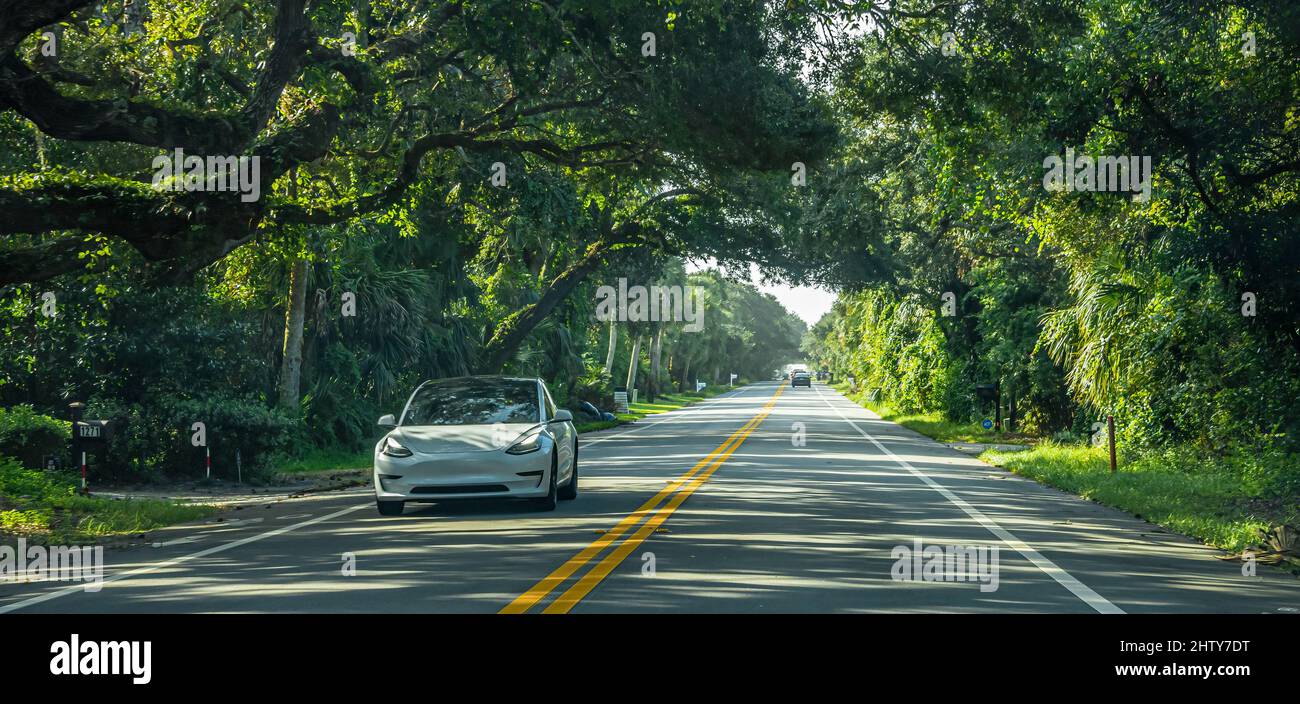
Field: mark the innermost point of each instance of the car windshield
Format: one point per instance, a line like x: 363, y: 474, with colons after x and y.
x: 474, y: 401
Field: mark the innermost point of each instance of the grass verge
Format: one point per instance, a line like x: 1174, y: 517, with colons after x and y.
x: 593, y: 426
x: 663, y: 403
x: 323, y: 460
x: 934, y: 425
x: 45, y: 507
x: 1224, y: 501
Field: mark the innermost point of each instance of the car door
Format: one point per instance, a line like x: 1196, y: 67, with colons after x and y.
x: 564, y: 434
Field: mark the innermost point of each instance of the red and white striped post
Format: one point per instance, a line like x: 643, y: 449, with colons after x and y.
x: 207, y: 459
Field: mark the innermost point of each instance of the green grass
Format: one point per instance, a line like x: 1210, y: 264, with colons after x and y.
x: 934, y: 425
x: 672, y: 402
x: 45, y: 506
x: 1201, y: 498
x: 323, y: 460
x: 662, y: 404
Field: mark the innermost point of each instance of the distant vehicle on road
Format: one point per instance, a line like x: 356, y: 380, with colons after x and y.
x: 801, y: 378
x: 477, y: 437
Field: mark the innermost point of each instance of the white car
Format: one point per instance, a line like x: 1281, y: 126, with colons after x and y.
x: 477, y: 437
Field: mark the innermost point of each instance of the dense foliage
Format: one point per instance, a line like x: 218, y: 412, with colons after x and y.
x: 443, y: 186
x: 1178, y: 313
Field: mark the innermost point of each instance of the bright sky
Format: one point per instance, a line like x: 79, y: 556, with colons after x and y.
x: 807, y: 302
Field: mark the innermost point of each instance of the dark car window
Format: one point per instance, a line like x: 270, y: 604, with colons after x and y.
x: 470, y: 401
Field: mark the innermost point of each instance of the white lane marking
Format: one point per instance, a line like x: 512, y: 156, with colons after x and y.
x: 665, y: 417
x: 236, y: 522
x: 54, y: 594
x: 178, y: 541
x: 1051, y: 569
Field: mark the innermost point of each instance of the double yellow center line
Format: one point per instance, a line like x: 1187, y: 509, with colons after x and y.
x: 679, y: 489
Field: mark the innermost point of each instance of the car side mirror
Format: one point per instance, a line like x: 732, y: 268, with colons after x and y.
x: 387, y: 421
x: 563, y: 415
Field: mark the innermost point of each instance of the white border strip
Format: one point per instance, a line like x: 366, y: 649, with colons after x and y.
x: 1065, y: 579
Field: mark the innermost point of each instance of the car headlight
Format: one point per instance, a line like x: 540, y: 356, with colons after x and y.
x: 393, y: 448
x: 530, y: 443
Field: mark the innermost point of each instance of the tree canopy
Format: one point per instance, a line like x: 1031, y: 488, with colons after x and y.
x: 286, y: 213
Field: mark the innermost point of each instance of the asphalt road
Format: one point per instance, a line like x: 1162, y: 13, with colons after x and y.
x: 765, y: 500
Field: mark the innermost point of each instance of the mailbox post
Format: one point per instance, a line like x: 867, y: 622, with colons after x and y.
x: 85, y: 431
x: 75, y: 410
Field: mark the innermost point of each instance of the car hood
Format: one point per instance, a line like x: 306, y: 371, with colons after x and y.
x: 436, y: 439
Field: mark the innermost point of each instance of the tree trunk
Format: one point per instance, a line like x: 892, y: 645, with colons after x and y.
x: 656, y: 349
x: 294, y: 314
x: 515, y: 328
x: 613, y: 347
x: 631, y: 366
x: 670, y: 372
x: 686, y: 384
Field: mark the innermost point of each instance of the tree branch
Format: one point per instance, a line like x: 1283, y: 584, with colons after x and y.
x: 19, y: 18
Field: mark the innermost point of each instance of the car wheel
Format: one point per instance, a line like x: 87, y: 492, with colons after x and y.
x: 390, y: 508
x: 547, y: 503
x: 569, y: 491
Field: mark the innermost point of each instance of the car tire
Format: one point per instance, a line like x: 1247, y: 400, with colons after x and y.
x: 390, y: 508
x: 569, y: 491
x: 547, y: 503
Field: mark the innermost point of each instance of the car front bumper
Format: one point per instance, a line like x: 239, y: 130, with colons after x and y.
x: 467, y: 475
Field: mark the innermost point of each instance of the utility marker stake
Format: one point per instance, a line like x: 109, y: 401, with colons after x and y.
x: 1110, y: 435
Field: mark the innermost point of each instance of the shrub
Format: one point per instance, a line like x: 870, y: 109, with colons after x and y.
x: 1068, y: 437
x: 17, y: 481
x: 593, y: 387
x: 155, y: 440
x: 29, y: 436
